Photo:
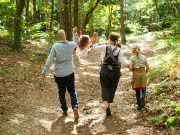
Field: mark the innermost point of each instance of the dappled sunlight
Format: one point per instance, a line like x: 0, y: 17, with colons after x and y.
x: 68, y: 119
x: 74, y: 131
x: 140, y: 130
x: 94, y: 103
x: 94, y: 67
x: 15, y: 121
x: 130, y: 116
x: 46, y: 110
x: 87, y: 63
x: 90, y: 74
x: 46, y: 124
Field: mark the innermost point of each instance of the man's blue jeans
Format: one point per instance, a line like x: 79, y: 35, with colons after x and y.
x: 68, y: 83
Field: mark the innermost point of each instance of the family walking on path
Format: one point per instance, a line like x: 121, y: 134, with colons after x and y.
x: 61, y: 55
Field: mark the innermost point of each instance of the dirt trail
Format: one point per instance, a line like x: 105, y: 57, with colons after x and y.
x: 38, y: 113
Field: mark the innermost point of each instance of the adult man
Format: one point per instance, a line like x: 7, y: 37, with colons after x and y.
x: 61, y: 53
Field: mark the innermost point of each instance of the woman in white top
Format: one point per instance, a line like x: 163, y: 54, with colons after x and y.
x: 112, y: 59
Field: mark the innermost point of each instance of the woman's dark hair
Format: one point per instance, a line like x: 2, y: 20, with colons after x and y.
x: 114, y: 36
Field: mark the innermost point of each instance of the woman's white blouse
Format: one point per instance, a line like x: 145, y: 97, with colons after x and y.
x: 84, y: 52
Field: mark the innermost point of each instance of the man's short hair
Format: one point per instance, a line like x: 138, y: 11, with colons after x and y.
x: 60, y: 32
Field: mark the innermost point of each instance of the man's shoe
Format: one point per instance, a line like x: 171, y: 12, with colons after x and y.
x: 108, y: 112
x: 76, y: 114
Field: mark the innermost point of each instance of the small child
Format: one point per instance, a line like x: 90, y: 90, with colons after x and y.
x: 83, y: 47
x: 140, y: 68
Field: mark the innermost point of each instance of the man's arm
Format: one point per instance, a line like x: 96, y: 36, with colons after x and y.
x: 75, y: 35
x: 49, y: 61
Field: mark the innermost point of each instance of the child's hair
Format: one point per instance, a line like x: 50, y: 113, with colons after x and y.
x: 114, y: 36
x: 136, y: 50
x: 84, y: 41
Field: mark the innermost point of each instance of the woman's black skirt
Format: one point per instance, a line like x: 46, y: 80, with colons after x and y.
x: 109, y: 79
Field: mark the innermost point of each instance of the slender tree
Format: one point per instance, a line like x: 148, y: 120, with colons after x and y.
x: 157, y: 8
x: 65, y: 18
x: 34, y: 10
x: 110, y: 8
x: 122, y: 20
x: 51, y: 19
x: 27, y: 12
x: 89, y: 14
x: 17, y: 24
x: 76, y: 12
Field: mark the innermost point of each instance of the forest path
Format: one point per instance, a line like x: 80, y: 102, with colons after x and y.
x: 37, y: 112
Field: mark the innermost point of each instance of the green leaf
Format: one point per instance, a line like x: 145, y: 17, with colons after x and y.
x: 171, y: 122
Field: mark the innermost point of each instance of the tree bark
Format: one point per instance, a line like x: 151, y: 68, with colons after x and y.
x: 17, y: 24
x: 34, y: 10
x: 76, y: 12
x: 122, y: 20
x: 89, y: 14
x: 109, y: 20
x: 51, y: 20
x: 157, y: 8
x: 27, y: 12
x: 65, y: 18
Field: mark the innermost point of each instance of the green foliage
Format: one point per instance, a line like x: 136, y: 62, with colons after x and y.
x: 170, y: 120
x: 155, y: 26
x: 176, y: 26
x: 166, y: 63
x: 4, y: 72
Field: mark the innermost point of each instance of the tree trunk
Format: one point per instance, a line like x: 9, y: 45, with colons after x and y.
x: 34, y: 10
x: 17, y: 24
x: 51, y: 20
x: 122, y: 20
x: 76, y: 12
x: 157, y: 8
x: 89, y: 14
x: 70, y: 14
x: 27, y: 12
x: 109, y: 20
x: 65, y: 18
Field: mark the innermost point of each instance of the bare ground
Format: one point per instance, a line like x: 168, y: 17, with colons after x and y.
x: 31, y: 106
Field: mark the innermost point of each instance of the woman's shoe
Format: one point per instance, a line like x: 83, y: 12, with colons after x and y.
x: 108, y: 112
x: 65, y: 113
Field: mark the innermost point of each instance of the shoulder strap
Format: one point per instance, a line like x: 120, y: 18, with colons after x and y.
x: 111, y: 52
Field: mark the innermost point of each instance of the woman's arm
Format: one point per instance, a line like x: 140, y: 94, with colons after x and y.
x: 122, y: 59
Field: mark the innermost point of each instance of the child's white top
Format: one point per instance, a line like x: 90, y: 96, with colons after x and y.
x: 138, y: 62
x: 82, y: 53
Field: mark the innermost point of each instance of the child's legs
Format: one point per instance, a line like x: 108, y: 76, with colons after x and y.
x: 138, y: 98
x: 143, y: 93
x: 143, y: 98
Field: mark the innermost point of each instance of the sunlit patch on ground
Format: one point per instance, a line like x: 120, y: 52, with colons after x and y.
x: 90, y: 74
x: 140, y: 130
x: 46, y: 124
